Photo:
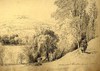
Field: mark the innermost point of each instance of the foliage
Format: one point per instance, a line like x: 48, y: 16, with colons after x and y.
x: 82, y: 20
x: 69, y: 8
x: 10, y: 40
x: 44, y: 44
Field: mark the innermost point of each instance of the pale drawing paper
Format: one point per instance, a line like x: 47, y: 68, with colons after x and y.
x: 49, y: 35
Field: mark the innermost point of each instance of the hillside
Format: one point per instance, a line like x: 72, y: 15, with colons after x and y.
x: 73, y: 61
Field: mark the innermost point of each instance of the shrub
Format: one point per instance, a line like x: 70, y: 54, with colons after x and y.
x: 10, y: 40
x: 5, y: 40
x: 44, y: 44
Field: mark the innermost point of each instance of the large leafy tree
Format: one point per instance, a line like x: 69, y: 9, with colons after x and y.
x: 81, y: 12
x: 69, y: 8
x: 43, y: 44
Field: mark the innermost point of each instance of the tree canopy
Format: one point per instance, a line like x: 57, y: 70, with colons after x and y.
x: 83, y: 14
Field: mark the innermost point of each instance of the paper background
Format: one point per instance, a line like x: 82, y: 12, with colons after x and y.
x: 40, y: 10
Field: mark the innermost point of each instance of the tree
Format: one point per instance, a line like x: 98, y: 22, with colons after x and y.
x: 43, y: 44
x: 76, y: 30
x: 92, y: 12
x: 81, y: 18
x: 69, y: 8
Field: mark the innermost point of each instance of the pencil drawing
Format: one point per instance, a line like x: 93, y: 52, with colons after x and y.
x: 26, y: 41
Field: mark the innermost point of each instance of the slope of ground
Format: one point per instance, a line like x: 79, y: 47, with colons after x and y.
x: 73, y: 61
x: 77, y: 61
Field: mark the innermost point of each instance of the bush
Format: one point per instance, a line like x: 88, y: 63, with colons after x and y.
x: 10, y: 40
x: 5, y: 40
x: 44, y: 45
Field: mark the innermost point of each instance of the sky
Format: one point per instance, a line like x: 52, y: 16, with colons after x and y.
x: 39, y: 10
x: 36, y: 9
